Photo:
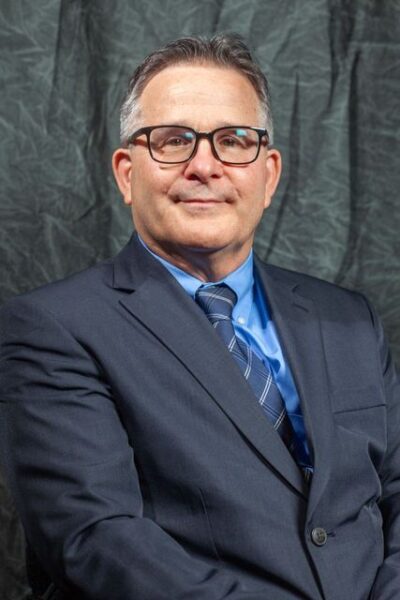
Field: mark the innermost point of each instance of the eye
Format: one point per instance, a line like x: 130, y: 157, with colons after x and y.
x: 230, y: 141
x: 177, y: 140
x: 234, y: 138
x: 171, y: 138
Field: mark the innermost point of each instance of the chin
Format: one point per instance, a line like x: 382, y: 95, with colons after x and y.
x: 205, y: 235
x: 204, y: 243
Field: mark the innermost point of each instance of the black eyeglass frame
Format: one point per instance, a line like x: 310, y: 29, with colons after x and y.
x: 209, y: 135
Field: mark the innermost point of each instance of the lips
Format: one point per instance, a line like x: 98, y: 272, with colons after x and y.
x: 201, y: 196
x: 201, y: 201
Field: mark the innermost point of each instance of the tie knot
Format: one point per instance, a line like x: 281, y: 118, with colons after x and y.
x: 217, y: 301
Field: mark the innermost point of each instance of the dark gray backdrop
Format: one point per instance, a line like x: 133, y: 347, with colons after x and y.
x: 334, y: 68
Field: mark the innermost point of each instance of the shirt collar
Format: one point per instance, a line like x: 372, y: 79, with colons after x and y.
x: 241, y: 280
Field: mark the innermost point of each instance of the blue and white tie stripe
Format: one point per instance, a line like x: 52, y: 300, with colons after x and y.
x: 217, y: 301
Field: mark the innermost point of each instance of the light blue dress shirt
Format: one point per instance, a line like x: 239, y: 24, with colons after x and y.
x: 253, y: 325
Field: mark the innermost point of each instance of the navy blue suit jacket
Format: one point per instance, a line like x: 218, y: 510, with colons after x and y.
x: 143, y: 468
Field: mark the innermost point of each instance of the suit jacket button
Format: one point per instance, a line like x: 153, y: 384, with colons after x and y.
x: 319, y: 536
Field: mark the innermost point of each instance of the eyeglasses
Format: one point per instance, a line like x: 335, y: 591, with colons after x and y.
x: 172, y: 144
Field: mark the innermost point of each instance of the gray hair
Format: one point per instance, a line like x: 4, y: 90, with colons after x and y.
x: 224, y: 50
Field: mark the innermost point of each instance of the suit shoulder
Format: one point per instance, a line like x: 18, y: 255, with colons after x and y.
x: 298, y: 277
x: 57, y: 297
x: 326, y: 293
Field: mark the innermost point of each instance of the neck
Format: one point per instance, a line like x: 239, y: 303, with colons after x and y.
x: 207, y: 265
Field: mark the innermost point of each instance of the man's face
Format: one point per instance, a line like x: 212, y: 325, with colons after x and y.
x: 202, y: 205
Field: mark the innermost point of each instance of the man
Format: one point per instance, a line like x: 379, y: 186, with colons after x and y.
x: 184, y: 421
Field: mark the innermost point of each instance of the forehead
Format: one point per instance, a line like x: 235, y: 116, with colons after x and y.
x: 190, y: 94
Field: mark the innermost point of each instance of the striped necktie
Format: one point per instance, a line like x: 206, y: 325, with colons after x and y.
x: 217, y: 301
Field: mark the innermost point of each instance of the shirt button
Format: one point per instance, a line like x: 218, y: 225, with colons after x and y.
x: 319, y: 536
x: 241, y: 320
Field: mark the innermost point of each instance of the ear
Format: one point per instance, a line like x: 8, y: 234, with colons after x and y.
x: 122, y: 168
x: 274, y: 169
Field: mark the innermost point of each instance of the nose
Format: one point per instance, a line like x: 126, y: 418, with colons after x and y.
x: 203, y: 165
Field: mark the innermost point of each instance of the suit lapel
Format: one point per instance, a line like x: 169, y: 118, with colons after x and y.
x: 298, y: 326
x: 164, y: 308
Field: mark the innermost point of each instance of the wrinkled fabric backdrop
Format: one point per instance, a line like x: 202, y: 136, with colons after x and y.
x: 334, y: 69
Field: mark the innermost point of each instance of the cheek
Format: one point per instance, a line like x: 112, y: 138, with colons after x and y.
x: 252, y: 191
x: 144, y: 186
x: 150, y: 205
x: 151, y: 182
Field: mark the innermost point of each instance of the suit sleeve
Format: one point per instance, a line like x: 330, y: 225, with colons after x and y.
x: 387, y: 582
x: 71, y: 469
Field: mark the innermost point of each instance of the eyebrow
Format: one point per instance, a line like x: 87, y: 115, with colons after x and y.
x: 185, y: 123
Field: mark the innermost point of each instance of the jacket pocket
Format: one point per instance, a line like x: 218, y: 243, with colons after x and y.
x: 354, y: 399
x: 362, y: 414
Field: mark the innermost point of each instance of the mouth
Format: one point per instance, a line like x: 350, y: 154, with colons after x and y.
x: 201, y: 201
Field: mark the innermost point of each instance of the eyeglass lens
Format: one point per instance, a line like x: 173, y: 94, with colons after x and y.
x: 175, y: 144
